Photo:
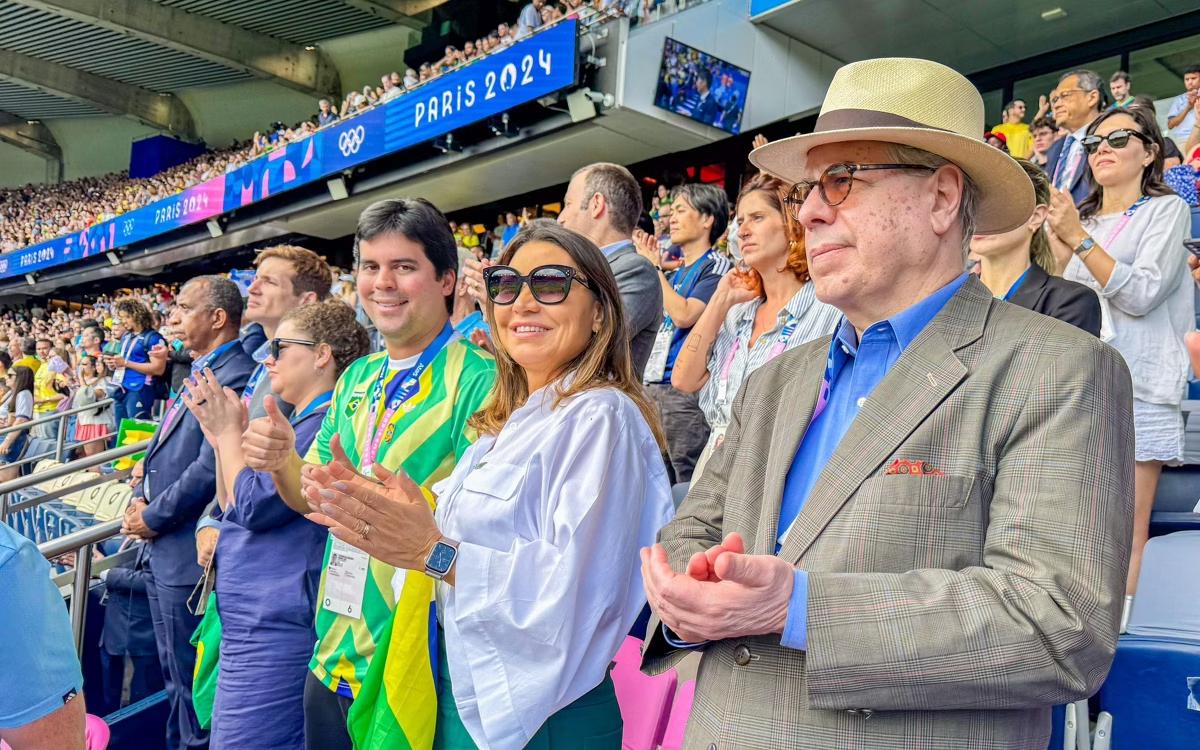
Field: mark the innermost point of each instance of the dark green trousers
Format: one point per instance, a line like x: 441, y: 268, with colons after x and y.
x: 593, y: 722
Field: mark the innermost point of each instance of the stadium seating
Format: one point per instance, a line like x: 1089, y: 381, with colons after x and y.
x: 681, y: 711
x: 645, y: 701
x: 1178, y: 493
x: 1152, y: 694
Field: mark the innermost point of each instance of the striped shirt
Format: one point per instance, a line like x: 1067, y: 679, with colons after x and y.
x: 425, y: 438
x: 801, y: 320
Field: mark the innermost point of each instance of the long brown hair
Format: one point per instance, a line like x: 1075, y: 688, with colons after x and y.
x: 605, y: 363
x: 776, y: 192
x: 1152, y: 174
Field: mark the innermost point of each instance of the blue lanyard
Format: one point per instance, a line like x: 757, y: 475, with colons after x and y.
x: 317, y: 403
x: 255, y: 379
x: 688, y: 283
x: 403, y: 386
x: 1017, y: 284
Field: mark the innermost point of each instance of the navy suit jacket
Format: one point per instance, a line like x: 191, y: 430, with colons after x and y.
x: 128, y: 628
x: 253, y: 337
x: 1081, y: 186
x: 181, y: 469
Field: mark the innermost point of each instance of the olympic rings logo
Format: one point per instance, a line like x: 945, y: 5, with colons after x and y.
x: 351, y: 140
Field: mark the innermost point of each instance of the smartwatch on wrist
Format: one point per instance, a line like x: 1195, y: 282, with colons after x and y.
x: 441, y: 558
x: 1084, y: 247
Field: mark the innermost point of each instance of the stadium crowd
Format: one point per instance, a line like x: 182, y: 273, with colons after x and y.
x: 494, y: 422
x: 36, y: 213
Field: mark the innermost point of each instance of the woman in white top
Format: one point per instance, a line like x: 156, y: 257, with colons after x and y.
x: 20, y: 409
x: 92, y: 426
x: 759, y: 311
x: 537, y: 530
x: 1126, y: 242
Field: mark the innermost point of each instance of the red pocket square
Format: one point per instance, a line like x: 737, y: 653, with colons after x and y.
x: 918, y: 468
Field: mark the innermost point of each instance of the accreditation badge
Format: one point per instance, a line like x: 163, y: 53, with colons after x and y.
x: 656, y: 365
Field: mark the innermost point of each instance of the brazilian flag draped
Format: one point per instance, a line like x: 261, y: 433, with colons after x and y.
x: 207, y: 640
x: 396, y: 707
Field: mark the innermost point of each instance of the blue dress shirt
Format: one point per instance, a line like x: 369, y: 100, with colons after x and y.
x: 853, y: 370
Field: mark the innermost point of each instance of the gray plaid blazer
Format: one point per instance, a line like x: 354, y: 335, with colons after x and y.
x: 947, y: 611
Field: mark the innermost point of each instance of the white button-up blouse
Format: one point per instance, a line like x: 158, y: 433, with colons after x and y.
x: 550, y: 515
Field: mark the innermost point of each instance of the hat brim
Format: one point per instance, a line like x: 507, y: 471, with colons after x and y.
x: 1006, y: 193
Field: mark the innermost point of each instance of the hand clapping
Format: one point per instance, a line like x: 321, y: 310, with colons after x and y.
x: 724, y: 592
x: 218, y: 410
x: 392, y: 520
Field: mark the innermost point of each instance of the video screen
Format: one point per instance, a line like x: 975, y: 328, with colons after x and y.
x: 705, y: 88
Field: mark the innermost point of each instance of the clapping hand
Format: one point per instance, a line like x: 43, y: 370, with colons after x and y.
x: 647, y: 247
x: 219, y: 411
x: 724, y: 592
x: 392, y: 520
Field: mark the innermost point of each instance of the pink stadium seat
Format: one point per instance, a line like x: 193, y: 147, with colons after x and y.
x: 681, y: 710
x: 95, y: 732
x: 645, y: 701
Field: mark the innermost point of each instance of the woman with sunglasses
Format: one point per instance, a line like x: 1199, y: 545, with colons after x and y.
x: 760, y: 310
x: 1126, y: 242
x: 536, y: 535
x: 269, y: 557
x: 1018, y: 266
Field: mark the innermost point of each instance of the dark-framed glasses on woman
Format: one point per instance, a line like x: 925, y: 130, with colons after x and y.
x: 277, y: 345
x: 835, y: 183
x: 548, y: 284
x: 1116, y: 139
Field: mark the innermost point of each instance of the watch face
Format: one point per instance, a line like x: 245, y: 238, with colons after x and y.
x: 441, y: 558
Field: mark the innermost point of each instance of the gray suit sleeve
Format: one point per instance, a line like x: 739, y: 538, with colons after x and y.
x: 641, y: 291
x: 697, y: 525
x: 1036, y: 623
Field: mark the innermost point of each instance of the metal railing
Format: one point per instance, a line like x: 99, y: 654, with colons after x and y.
x: 57, y: 472
x: 82, y: 542
x: 61, y: 418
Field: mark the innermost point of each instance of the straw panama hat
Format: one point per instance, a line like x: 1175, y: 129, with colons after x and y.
x: 915, y: 103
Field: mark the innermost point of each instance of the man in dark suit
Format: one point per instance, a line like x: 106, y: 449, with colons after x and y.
x: 706, y: 109
x: 1077, y: 100
x: 128, y: 632
x: 603, y: 203
x: 180, y: 480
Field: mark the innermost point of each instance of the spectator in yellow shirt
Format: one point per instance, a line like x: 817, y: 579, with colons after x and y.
x: 24, y: 355
x: 1016, y: 130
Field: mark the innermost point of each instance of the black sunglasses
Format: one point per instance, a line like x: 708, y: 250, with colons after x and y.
x: 1116, y: 139
x: 835, y: 182
x: 275, y: 346
x: 549, y: 285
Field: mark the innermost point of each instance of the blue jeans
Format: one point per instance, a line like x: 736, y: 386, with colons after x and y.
x: 132, y: 404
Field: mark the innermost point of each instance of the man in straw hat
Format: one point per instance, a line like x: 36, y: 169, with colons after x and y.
x: 915, y: 534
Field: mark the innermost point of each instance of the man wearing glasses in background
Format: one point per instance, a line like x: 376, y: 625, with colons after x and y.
x: 1076, y: 102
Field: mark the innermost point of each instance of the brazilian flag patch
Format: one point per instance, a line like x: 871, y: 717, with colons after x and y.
x: 352, y: 405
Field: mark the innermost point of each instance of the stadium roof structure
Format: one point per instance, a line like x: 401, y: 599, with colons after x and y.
x: 131, y: 58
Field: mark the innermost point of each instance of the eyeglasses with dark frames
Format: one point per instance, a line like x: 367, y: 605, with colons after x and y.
x: 835, y: 182
x: 276, y: 345
x: 1116, y: 139
x: 548, y: 284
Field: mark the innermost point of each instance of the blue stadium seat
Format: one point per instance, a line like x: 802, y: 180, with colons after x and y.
x: 1178, y: 492
x: 1152, y: 690
x: 1196, y: 221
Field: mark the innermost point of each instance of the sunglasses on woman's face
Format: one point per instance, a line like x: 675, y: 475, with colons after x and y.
x: 1116, y: 139
x: 549, y: 285
x: 275, y: 346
